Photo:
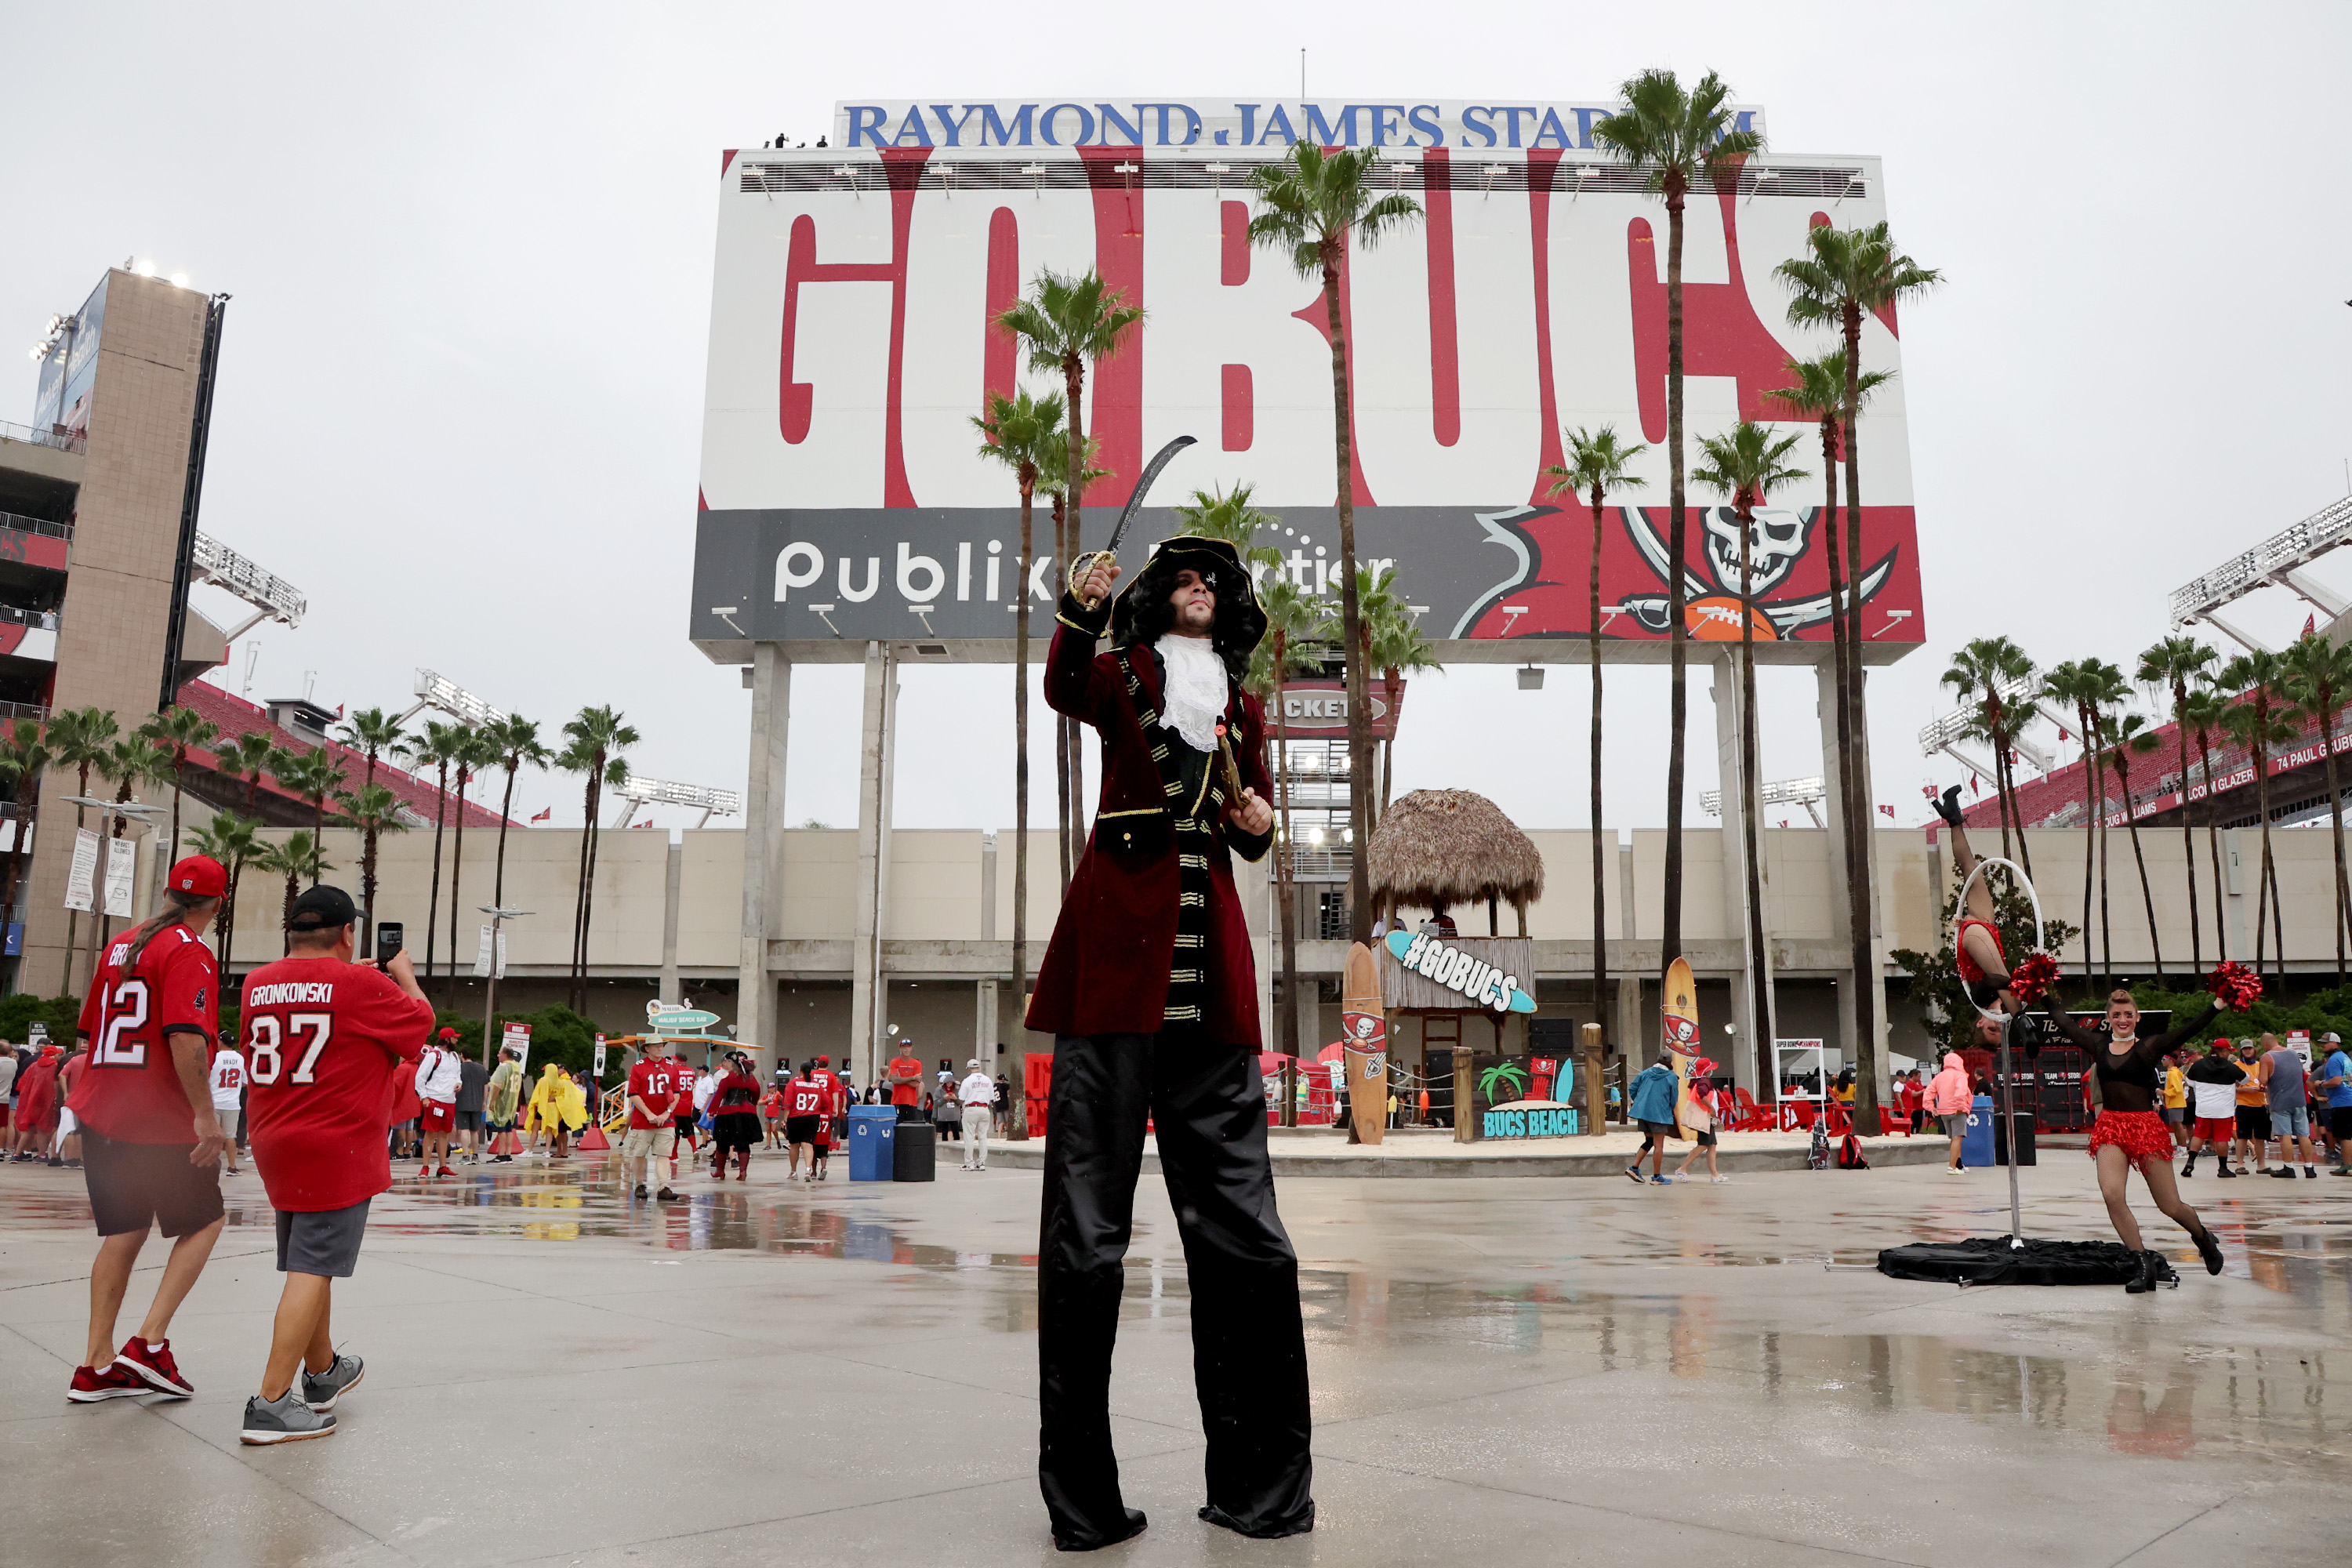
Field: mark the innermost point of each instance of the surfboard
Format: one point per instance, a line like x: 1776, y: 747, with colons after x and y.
x: 1364, y: 1028
x: 1680, y: 1037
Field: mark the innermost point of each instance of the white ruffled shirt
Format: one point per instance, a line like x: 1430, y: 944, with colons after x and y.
x: 1194, y: 698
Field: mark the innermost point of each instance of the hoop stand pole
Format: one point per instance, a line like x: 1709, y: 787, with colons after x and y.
x: 2004, y: 1100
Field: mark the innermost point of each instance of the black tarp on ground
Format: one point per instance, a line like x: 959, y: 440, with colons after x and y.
x: 1992, y: 1260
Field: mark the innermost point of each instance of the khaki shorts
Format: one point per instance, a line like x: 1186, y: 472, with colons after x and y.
x: 637, y: 1142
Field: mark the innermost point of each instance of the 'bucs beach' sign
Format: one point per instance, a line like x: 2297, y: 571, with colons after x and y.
x: 1455, y: 967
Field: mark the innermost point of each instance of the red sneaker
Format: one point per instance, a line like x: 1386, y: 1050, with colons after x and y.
x: 109, y: 1381
x: 447, y: 1171
x: 154, y: 1363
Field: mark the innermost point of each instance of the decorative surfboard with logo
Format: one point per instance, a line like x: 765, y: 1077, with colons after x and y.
x: 1364, y: 1025
x: 1680, y: 1037
x: 1456, y: 969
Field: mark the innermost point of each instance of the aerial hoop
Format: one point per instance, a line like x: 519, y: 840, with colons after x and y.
x: 1978, y: 870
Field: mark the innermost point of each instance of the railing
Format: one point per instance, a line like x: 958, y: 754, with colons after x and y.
x: 13, y: 712
x: 1318, y: 862
x: 19, y: 524
x: 40, y: 620
x: 63, y: 440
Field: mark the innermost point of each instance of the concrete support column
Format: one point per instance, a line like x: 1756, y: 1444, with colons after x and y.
x: 1751, y: 1055
x: 984, y: 1004
x: 869, y: 988
x: 1633, y: 1038
x: 674, y: 878
x: 763, y: 853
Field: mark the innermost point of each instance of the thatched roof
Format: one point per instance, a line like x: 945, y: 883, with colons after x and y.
x: 1451, y: 847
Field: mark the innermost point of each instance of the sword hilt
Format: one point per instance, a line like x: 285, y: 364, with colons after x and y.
x: 1082, y: 568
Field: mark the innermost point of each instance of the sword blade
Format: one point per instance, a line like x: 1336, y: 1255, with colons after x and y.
x: 1135, y: 500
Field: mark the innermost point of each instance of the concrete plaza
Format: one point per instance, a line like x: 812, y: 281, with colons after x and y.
x: 1506, y: 1371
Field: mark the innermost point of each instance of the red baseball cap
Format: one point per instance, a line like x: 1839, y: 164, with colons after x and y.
x: 201, y: 875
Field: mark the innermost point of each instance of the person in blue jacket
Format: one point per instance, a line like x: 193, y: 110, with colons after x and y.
x: 1652, y: 1106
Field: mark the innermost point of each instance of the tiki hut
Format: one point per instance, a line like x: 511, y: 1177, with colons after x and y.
x: 1437, y: 849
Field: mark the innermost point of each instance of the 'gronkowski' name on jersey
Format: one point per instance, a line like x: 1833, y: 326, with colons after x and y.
x: 316, y: 991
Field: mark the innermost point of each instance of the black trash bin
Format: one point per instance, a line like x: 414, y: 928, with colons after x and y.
x: 2023, y: 1122
x: 915, y: 1156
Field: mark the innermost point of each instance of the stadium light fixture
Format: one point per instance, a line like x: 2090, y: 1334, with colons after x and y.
x: 711, y: 802
x: 272, y: 597
x: 439, y: 691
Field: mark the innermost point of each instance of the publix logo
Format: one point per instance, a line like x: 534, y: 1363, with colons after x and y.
x: 1480, y: 983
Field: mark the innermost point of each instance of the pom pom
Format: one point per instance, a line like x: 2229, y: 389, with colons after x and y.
x: 2034, y: 977
x: 2234, y: 985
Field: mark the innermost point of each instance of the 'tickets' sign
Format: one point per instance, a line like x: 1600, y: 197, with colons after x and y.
x: 1316, y: 709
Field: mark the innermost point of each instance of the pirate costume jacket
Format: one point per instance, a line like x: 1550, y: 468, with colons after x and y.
x: 1151, y: 991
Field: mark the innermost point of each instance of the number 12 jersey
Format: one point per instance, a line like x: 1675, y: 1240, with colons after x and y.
x: 131, y: 1092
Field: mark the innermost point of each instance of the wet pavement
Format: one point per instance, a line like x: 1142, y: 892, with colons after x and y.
x: 1509, y: 1371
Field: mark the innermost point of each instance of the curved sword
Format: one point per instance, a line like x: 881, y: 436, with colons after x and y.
x: 1086, y: 562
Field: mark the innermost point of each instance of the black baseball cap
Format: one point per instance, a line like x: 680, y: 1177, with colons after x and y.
x: 323, y: 908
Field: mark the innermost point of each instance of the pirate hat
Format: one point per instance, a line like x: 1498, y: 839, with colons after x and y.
x: 1216, y: 560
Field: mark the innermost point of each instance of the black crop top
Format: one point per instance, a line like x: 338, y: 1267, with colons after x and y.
x: 2128, y: 1082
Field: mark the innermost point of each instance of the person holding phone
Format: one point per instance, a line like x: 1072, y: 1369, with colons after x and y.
x: 323, y: 1037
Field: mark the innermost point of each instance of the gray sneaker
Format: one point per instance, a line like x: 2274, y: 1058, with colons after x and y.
x: 285, y: 1419
x: 321, y: 1389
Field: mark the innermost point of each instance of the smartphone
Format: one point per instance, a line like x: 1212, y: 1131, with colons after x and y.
x: 390, y: 937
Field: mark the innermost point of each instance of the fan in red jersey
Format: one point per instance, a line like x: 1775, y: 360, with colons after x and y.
x: 323, y: 1037
x: 150, y: 1142
x: 653, y: 1102
x: 807, y: 1101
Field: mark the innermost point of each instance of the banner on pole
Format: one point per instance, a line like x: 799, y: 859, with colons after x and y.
x: 482, y: 956
x: 121, y: 861
x: 600, y: 1056
x: 517, y: 1040
x: 81, y: 881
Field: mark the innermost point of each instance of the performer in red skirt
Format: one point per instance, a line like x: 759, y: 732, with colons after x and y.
x: 2124, y: 1081
x: 1984, y: 970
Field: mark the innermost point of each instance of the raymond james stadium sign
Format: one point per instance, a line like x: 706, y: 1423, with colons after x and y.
x: 1204, y: 122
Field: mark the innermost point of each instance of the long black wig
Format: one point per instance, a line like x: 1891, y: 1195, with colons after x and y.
x: 1142, y: 613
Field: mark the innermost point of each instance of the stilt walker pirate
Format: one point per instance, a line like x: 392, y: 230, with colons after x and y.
x: 1151, y: 993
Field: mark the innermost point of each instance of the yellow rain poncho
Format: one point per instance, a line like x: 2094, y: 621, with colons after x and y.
x: 556, y: 1102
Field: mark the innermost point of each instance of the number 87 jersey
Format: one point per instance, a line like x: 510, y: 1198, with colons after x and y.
x: 131, y: 1092
x: 323, y: 1038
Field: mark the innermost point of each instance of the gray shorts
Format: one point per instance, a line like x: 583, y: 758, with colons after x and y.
x: 469, y: 1122
x: 321, y: 1241
x: 1956, y: 1123
x: 2176, y: 1113
x: 2290, y: 1120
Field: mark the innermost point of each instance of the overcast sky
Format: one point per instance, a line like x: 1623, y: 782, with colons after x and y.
x: 470, y: 251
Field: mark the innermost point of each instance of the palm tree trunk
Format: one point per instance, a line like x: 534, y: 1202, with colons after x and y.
x: 1677, y: 697
x: 2090, y: 844
x: 1068, y: 526
x: 498, y: 878
x: 65, y: 981
x: 1020, y: 788
x: 1853, y: 812
x: 456, y: 870
x: 1359, y: 733
x: 1859, y: 892
x: 2155, y: 943
x: 2213, y: 849
x: 179, y: 773
x: 2262, y: 871
x: 1599, y: 860
x: 588, y: 887
x: 1759, y: 1028
x: 2278, y: 928
x: 2188, y: 836
x: 1062, y: 789
x: 2106, y: 929
x: 432, y: 900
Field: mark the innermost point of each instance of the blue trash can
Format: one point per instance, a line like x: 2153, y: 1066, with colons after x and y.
x: 1975, y: 1144
x: 873, y: 1134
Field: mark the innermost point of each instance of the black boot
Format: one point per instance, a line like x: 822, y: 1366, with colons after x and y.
x: 2189, y: 1169
x: 2209, y: 1250
x: 2145, y: 1280
x: 1948, y: 805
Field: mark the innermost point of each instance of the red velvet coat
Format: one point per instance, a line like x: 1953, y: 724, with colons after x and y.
x: 1106, y: 971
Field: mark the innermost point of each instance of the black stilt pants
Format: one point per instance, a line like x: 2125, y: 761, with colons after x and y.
x: 1207, y: 1106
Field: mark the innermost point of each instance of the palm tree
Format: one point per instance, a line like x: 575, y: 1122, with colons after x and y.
x: 130, y: 761
x: 24, y: 753
x: 1398, y: 648
x: 251, y: 756
x: 317, y: 776
x: 1286, y: 649
x: 1019, y: 429
x: 2262, y: 719
x: 371, y: 733
x: 298, y: 856
x: 1746, y: 464
x: 2174, y: 666
x: 1982, y: 670
x: 1819, y: 393
x: 179, y: 730
x: 374, y: 811
x: 1597, y: 464
x: 1676, y: 137
x: 595, y: 735
x: 1064, y: 323
x: 2318, y: 675
x: 232, y: 840
x: 515, y: 741
x: 2134, y: 732
x: 2074, y: 684
x: 2200, y: 719
x: 1069, y: 754
x: 479, y: 750
x: 1314, y: 203
x: 78, y: 739
x: 437, y: 747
